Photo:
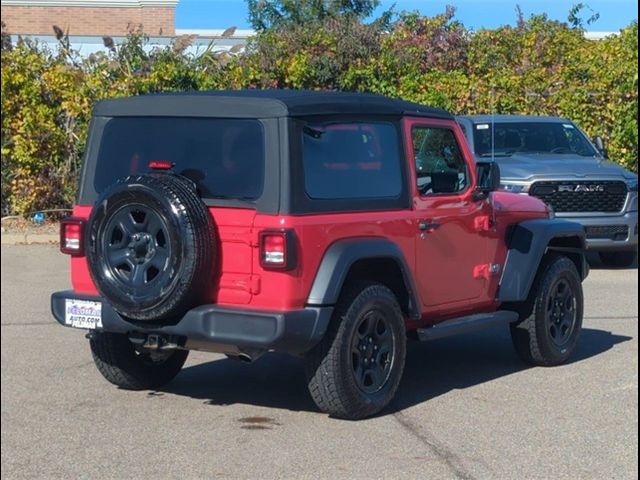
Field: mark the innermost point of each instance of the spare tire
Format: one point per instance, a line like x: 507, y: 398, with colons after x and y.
x: 150, y: 247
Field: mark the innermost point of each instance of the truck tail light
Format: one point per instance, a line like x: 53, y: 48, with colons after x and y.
x: 277, y: 250
x: 71, y: 236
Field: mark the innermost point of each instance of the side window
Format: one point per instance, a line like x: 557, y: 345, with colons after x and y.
x: 351, y: 160
x: 440, y: 166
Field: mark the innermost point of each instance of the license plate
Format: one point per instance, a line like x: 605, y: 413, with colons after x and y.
x: 83, y: 314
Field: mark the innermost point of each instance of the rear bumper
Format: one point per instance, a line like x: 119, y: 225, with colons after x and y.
x: 214, y: 328
x: 609, y: 233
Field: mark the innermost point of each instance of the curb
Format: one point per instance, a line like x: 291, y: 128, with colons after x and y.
x: 29, y: 238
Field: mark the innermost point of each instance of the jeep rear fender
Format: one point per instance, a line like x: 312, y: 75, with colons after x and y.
x: 528, y: 242
x: 342, y: 257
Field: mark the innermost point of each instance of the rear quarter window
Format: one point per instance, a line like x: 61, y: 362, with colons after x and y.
x: 351, y: 160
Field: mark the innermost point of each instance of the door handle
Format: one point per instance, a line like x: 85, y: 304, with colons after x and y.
x: 428, y: 225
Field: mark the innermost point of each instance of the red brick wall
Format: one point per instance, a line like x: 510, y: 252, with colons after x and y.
x: 88, y: 20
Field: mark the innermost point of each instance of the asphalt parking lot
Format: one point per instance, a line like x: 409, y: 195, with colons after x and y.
x: 467, y: 407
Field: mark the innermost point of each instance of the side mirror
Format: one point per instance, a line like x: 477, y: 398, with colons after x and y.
x: 488, y: 178
x: 600, y: 146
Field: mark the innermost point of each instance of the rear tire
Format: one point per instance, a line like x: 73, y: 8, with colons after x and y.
x: 122, y: 364
x: 618, y: 259
x: 367, y: 325
x: 549, y: 334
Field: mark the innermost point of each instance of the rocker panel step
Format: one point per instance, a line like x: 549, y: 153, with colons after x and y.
x: 471, y: 323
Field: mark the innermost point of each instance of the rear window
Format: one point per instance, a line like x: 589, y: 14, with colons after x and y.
x: 225, y: 157
x: 351, y: 160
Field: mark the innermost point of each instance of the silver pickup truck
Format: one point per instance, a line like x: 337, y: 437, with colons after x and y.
x: 552, y: 159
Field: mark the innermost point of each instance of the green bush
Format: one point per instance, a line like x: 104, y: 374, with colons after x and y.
x: 538, y: 66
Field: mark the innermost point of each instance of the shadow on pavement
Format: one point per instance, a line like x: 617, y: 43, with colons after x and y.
x: 432, y: 369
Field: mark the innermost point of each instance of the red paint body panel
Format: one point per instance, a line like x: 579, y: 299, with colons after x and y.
x: 235, y: 250
x: 314, y: 234
x: 81, y: 280
x: 451, y: 263
x: 243, y: 281
x: 471, y: 237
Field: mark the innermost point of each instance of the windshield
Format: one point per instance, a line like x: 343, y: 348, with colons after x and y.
x: 531, y: 137
x: 224, y: 157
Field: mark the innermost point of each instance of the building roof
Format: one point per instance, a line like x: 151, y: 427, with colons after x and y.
x: 262, y: 104
x: 513, y: 118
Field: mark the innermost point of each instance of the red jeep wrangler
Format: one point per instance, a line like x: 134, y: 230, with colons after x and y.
x: 328, y: 225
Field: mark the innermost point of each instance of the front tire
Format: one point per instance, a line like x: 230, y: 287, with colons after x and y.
x: 354, y: 372
x: 549, y: 334
x: 118, y: 360
x: 618, y: 259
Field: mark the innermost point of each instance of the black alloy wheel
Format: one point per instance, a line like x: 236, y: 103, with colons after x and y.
x: 373, y: 352
x: 561, y: 312
x: 136, y: 247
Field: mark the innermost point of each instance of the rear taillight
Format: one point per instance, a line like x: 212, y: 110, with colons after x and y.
x: 277, y: 250
x: 71, y: 233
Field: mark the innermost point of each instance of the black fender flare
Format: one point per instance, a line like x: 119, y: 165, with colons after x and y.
x: 527, y: 243
x: 340, y: 257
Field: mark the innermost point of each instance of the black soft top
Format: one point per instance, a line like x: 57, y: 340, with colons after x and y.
x: 261, y: 104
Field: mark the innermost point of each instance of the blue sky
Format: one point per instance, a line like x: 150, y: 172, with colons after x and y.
x: 614, y: 14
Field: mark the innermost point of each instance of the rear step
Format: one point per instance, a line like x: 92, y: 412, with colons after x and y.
x: 472, y: 323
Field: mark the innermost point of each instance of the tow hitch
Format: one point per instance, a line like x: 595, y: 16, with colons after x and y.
x: 153, y: 341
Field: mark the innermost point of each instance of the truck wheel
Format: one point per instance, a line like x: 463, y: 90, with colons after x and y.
x: 122, y: 364
x: 618, y: 259
x: 549, y: 335
x: 355, y: 370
